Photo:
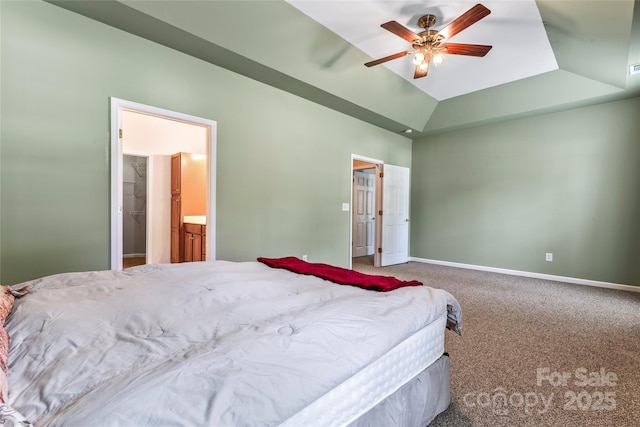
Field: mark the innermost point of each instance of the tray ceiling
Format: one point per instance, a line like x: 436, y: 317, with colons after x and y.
x: 547, y: 55
x: 521, y: 47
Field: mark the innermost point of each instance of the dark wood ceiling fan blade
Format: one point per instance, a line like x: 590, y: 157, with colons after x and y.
x: 400, y: 31
x: 388, y: 58
x: 465, y: 20
x: 466, y: 49
x: 419, y: 72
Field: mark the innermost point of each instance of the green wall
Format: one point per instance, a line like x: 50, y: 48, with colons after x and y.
x: 283, y: 162
x: 498, y: 195
x: 503, y: 195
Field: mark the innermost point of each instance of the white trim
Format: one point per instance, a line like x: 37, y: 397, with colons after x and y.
x: 368, y: 160
x: 118, y: 105
x: 564, y: 279
x: 365, y: 159
x: 116, y: 187
x: 133, y: 255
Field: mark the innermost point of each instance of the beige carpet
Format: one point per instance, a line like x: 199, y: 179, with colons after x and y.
x: 536, y: 352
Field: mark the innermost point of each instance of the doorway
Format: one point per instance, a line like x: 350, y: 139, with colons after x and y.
x: 158, y: 154
x: 383, y: 190
x: 134, y: 203
x: 365, y: 204
x: 363, y: 212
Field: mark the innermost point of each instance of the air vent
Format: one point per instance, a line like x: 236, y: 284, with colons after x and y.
x: 634, y: 69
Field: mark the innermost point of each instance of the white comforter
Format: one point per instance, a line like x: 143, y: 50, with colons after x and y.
x: 197, y: 344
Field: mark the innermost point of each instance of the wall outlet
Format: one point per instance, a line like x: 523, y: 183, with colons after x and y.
x: 304, y: 257
x: 548, y: 257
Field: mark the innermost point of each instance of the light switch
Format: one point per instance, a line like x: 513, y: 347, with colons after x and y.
x: 345, y: 207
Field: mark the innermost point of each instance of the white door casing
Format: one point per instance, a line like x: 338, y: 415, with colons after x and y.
x: 117, y: 107
x: 363, y: 213
x: 395, y: 215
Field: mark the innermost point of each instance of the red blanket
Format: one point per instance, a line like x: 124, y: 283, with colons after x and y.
x: 338, y: 275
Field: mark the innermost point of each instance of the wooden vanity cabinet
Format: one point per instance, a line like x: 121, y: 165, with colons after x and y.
x: 188, y: 198
x: 194, y: 242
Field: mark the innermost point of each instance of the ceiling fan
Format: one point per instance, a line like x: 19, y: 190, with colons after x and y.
x: 428, y: 45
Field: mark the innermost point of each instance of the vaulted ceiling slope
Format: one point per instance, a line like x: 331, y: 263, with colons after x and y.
x: 594, y: 43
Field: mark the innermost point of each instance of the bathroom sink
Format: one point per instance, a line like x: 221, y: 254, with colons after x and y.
x: 195, y: 219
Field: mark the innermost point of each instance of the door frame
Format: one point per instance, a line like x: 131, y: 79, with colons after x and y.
x: 379, y: 164
x: 117, y: 107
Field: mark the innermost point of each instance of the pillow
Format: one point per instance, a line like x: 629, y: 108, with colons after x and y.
x: 6, y: 304
x: 7, y: 297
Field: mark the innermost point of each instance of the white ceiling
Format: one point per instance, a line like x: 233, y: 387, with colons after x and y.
x: 514, y: 28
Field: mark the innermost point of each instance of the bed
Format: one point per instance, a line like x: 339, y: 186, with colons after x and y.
x: 222, y: 343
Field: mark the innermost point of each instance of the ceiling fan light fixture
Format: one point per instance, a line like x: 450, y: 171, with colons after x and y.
x: 438, y: 58
x: 418, y: 58
x: 428, y: 44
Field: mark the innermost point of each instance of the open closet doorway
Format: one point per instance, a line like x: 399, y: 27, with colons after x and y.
x: 134, y: 203
x: 141, y: 131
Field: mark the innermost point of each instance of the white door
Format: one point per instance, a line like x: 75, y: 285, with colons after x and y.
x: 395, y: 215
x: 363, y: 213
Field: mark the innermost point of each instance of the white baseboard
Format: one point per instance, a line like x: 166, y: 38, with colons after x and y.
x: 133, y: 255
x: 530, y: 274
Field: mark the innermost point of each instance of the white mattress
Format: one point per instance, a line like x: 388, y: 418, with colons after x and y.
x: 375, y: 382
x: 214, y: 343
